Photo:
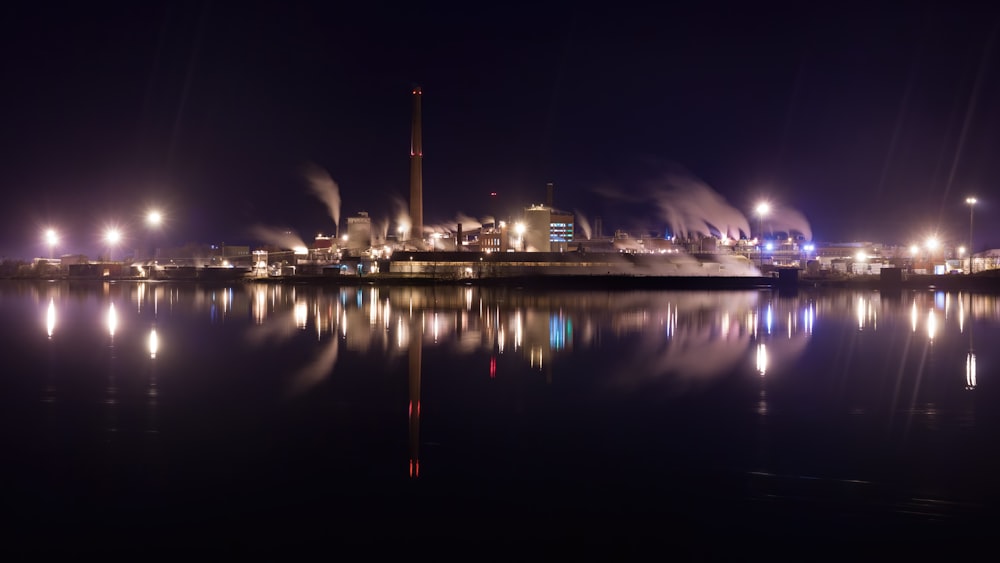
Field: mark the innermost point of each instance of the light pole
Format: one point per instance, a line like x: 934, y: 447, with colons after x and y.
x: 972, y: 205
x: 52, y: 239
x: 112, y: 236
x: 154, y: 219
x: 762, y: 209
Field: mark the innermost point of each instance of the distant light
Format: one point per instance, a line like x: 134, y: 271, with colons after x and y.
x: 763, y: 208
x: 914, y: 250
x: 154, y: 218
x: 300, y: 250
x: 51, y: 237
x: 961, y: 250
x: 932, y: 243
x: 112, y: 235
x: 861, y: 256
x: 519, y: 228
x: 970, y: 200
x: 809, y: 248
x: 769, y: 246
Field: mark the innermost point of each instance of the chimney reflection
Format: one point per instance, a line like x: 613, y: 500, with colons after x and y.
x: 416, y: 342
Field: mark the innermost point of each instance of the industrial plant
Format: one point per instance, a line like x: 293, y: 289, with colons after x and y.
x: 544, y: 241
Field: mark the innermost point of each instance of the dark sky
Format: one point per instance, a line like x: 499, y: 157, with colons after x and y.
x: 873, y: 120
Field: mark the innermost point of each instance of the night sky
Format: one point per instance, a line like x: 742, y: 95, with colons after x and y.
x: 872, y: 120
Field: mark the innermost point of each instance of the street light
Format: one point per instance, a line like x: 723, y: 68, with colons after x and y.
x: 763, y: 209
x: 154, y: 219
x: 112, y: 236
x: 972, y: 205
x: 52, y: 239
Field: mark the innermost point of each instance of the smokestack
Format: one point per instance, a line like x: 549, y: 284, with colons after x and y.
x: 548, y: 195
x: 458, y: 238
x: 416, y: 173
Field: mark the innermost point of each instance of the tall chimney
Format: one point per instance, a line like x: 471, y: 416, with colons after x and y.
x: 458, y: 238
x: 416, y: 174
x: 548, y: 195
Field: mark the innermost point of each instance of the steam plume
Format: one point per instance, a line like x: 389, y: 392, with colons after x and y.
x: 692, y: 208
x: 583, y: 223
x: 324, y: 188
x: 281, y: 238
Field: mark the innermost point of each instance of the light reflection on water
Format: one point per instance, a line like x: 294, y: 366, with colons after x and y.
x: 848, y: 386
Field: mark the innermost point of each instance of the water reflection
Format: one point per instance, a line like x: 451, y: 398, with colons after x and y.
x: 687, y: 335
x: 111, y: 397
x: 48, y: 395
x: 152, y: 392
x: 326, y: 372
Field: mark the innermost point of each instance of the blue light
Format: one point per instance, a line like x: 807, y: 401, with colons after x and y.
x: 557, y: 332
x: 769, y: 246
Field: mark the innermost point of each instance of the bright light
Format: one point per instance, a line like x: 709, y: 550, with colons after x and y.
x: 51, y: 237
x: 112, y: 236
x: 154, y: 343
x: 932, y: 243
x: 300, y: 250
x: 519, y: 228
x: 914, y: 250
x: 50, y: 317
x: 763, y: 208
x: 861, y: 256
x: 961, y: 250
x: 970, y: 200
x: 112, y: 320
x: 769, y: 246
x: 809, y: 248
x: 154, y: 218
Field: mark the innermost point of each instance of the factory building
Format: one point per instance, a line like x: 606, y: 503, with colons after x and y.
x: 547, y: 229
x: 359, y: 233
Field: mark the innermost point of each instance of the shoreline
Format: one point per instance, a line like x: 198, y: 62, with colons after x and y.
x: 952, y: 282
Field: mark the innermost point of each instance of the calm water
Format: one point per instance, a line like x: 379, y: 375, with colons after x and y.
x: 137, y: 412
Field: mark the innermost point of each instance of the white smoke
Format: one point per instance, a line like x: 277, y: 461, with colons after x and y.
x: 324, y: 188
x: 692, y: 208
x: 401, y: 212
x: 583, y: 223
x: 788, y: 221
x: 282, y: 238
x: 380, y: 231
x: 468, y: 223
